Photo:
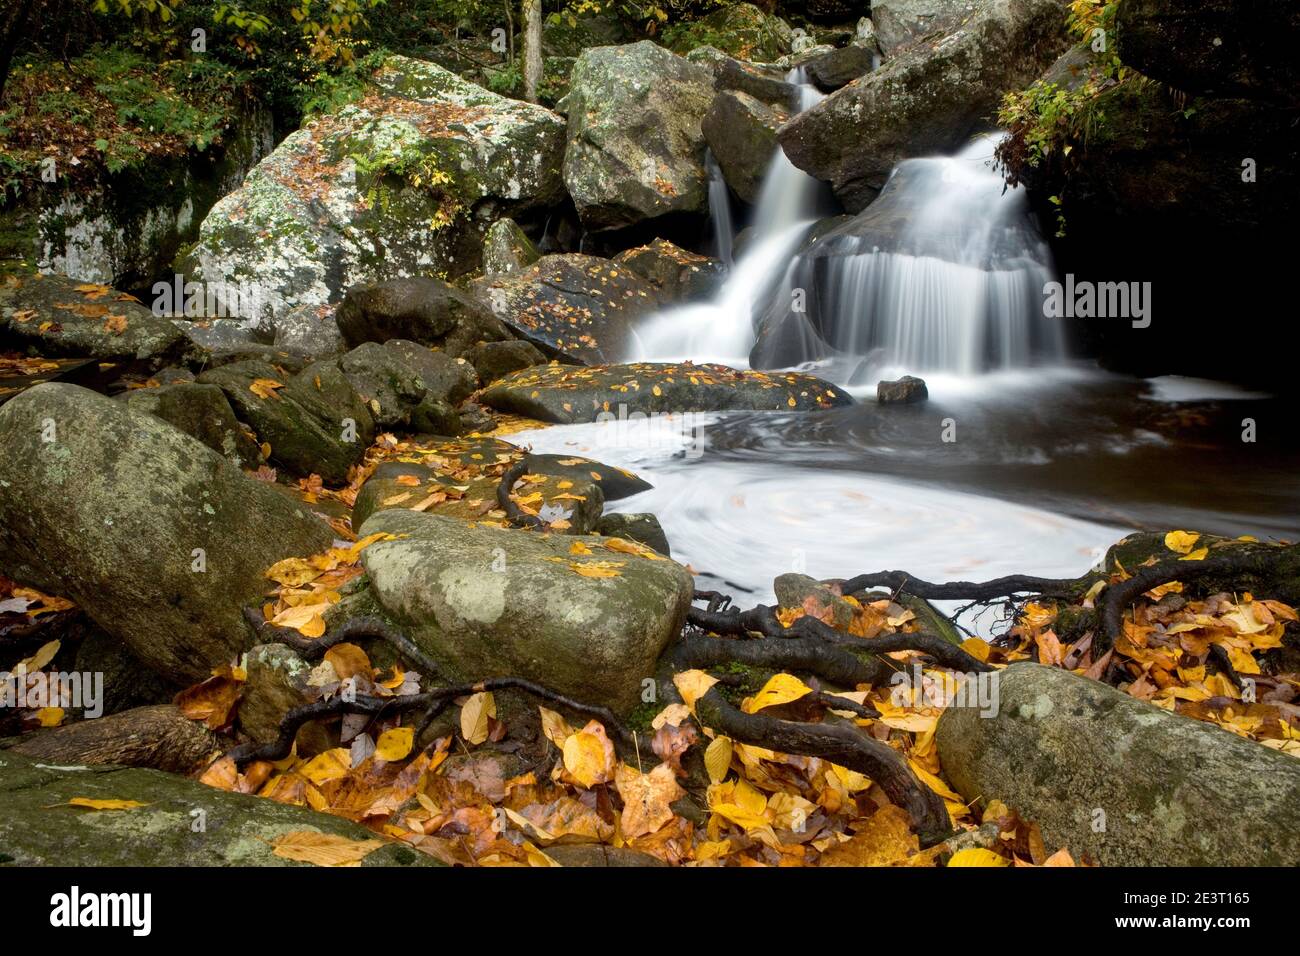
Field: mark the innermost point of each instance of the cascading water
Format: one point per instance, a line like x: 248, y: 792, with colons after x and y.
x: 724, y: 233
x: 723, y: 330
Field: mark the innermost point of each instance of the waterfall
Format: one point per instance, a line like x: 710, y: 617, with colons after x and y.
x: 723, y: 330
x: 724, y: 232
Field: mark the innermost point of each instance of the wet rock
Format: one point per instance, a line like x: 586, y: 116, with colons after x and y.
x: 55, y: 316
x: 202, y: 412
x: 582, y: 307
x: 600, y: 855
x: 567, y: 395
x: 39, y: 829
x: 765, y: 83
x: 643, y: 527
x: 595, y: 638
x: 506, y: 249
x: 403, y: 181
x: 494, y: 360
x: 741, y: 132
x: 158, y: 538
x: 635, y: 151
x: 614, y: 483
x: 1068, y: 753
x: 675, y: 274
x: 928, y: 99
x: 421, y: 309
x: 315, y: 422
x: 904, y: 391
x: 1229, y: 48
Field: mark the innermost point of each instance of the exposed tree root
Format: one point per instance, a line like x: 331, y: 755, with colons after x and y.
x: 159, y: 737
x: 834, y: 664
x: 839, y: 743
x: 514, y: 514
x: 353, y: 629
x: 897, y: 581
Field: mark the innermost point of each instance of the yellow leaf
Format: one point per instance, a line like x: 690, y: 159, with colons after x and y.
x: 293, y: 572
x: 780, y: 689
x: 43, y: 656
x: 597, y: 569
x: 323, y: 849
x: 1197, y: 555
x: 1181, y: 541
x: 330, y: 765
x: 693, y: 685
x: 975, y: 856
x: 265, y: 387
x: 717, y: 758
x: 93, y: 804
x: 474, y: 717
x: 395, y: 744
x: 50, y: 716
x: 555, y: 727
x: 579, y: 548
x: 589, y: 756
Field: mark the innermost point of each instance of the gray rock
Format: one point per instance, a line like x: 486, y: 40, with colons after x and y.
x: 898, y: 23
x: 642, y: 527
x: 310, y: 330
x: 315, y: 423
x: 111, y: 512
x: 401, y: 381
x: 635, y: 150
x: 567, y: 395
x: 904, y: 391
x: 277, y: 682
x: 677, y: 275
x: 202, y: 412
x: 793, y: 590
x: 928, y: 99
x: 596, y: 639
x: 421, y: 309
x: 55, y: 316
x: 401, y: 182
x: 494, y: 360
x: 506, y: 249
x: 1062, y: 750
x: 582, y: 307
x: 39, y: 829
x: 836, y: 68
x: 741, y: 132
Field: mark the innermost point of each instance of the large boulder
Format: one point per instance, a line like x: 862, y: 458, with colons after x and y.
x: 54, y: 316
x: 202, y: 412
x: 487, y: 601
x: 402, y: 182
x: 1214, y: 47
x: 741, y: 131
x: 635, y: 150
x: 764, y: 82
x: 581, y: 307
x: 568, y: 395
x: 1121, y: 780
x: 39, y: 828
x: 420, y: 308
x: 677, y: 275
x: 399, y: 380
x: 315, y: 421
x: 899, y: 23
x: 741, y: 30
x: 158, y: 538
x: 927, y: 100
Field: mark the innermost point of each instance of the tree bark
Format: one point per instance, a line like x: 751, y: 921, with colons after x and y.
x: 159, y: 737
x: 532, y: 11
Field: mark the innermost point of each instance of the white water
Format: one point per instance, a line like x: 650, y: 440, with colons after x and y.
x: 724, y: 232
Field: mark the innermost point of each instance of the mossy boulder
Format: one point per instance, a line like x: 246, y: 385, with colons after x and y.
x: 487, y: 601
x: 38, y: 828
x: 420, y: 308
x: 507, y: 249
x: 741, y: 132
x: 741, y: 30
x: 402, y: 182
x: 399, y: 378
x: 494, y: 360
x: 584, y: 308
x: 568, y: 395
x: 203, y: 412
x: 635, y: 151
x: 315, y: 421
x: 54, y: 316
x: 1119, y: 779
x: 157, y: 537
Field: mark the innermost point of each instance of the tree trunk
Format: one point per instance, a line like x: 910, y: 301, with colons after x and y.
x: 532, y: 10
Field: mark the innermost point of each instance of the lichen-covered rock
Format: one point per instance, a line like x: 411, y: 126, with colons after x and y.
x: 310, y: 330
x: 764, y: 82
x: 1125, y: 782
x: 402, y: 182
x: 568, y: 395
x: 395, y: 378
x: 582, y: 307
x: 419, y: 308
x: 315, y: 422
x: 39, y: 828
x: 635, y: 150
x: 507, y: 249
x: 901, y: 22
x: 56, y: 316
x: 494, y: 360
x: 1215, y: 47
x: 739, y: 29
x: 819, y: 600
x: 202, y: 412
x: 277, y: 682
x: 485, y: 601
x: 677, y: 275
x: 741, y: 132
x: 926, y: 100
x: 90, y: 490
